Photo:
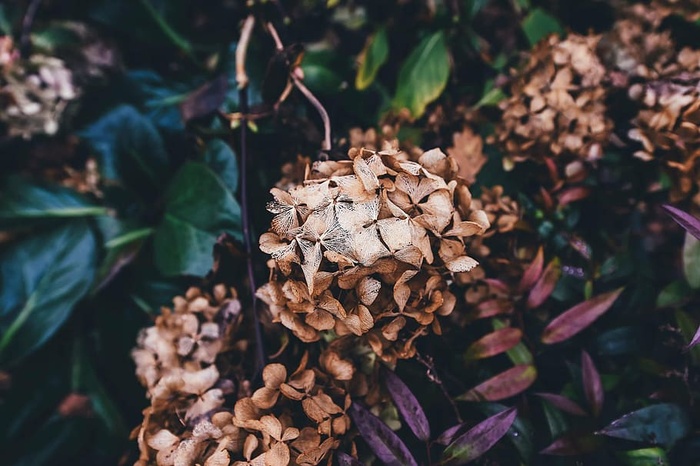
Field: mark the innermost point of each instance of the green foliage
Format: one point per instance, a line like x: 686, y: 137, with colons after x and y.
x: 374, y: 55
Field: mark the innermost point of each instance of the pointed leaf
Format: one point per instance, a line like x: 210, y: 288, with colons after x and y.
x: 690, y: 223
x: 520, y: 433
x: 346, y: 460
x: 518, y: 354
x: 691, y: 261
x: 380, y: 438
x: 661, y: 424
x: 644, y: 457
x: 563, y: 403
x: 533, y: 272
x: 423, y: 76
x: 407, y: 405
x: 573, y: 444
x: 504, y: 385
x: 545, y: 285
x: 372, y: 58
x: 696, y: 339
x: 539, y: 24
x: 494, y: 343
x: 578, y: 317
x: 592, y: 386
x: 479, y: 439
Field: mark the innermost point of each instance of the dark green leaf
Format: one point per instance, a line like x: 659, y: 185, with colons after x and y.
x: 619, y: 341
x: 539, y: 24
x: 372, y: 58
x: 644, y: 457
x: 674, y: 294
x: 222, y: 160
x: 25, y: 202
x: 691, y: 260
x: 199, y: 207
x: 423, y: 76
x: 160, y: 99
x: 43, y: 277
x: 661, y: 424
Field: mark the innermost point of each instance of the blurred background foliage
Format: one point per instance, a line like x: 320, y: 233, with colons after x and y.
x: 106, y: 218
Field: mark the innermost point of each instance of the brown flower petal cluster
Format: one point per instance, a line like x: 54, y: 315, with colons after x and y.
x: 557, y: 103
x: 34, y: 92
x: 688, y: 9
x: 364, y: 247
x: 667, y: 126
x: 502, y: 212
x: 179, y: 361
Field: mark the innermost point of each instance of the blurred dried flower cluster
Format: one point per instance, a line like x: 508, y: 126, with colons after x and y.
x: 365, y: 247
x: 34, y: 92
x: 187, y: 363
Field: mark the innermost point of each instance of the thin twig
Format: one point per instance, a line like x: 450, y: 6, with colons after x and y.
x: 241, y: 51
x: 435, y: 378
x: 275, y: 37
x: 27, y: 22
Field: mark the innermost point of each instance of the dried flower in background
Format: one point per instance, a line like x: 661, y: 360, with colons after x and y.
x: 187, y: 361
x: 556, y: 106
x: 468, y: 150
x: 364, y: 247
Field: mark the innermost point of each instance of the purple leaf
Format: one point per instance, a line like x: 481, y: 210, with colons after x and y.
x: 479, y: 439
x: 563, y: 403
x: 690, y: 223
x: 346, y: 460
x: 533, y: 272
x: 494, y: 343
x: 204, y: 100
x: 695, y: 340
x: 592, y: 386
x: 450, y: 434
x: 504, y: 385
x: 407, y: 405
x: 545, y: 285
x: 381, y: 439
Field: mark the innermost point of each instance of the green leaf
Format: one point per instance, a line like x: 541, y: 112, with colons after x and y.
x: 222, y: 160
x: 372, y: 58
x: 661, y: 424
x: 423, y: 76
x: 539, y: 24
x: 160, y: 99
x: 688, y: 329
x: 691, y: 260
x: 43, y: 277
x: 644, y: 457
x: 24, y: 202
x: 131, y: 150
x: 199, y: 207
x: 673, y: 294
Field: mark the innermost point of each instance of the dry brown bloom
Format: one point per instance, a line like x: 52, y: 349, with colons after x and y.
x: 34, y: 92
x: 468, y: 150
x: 688, y: 9
x: 667, y: 126
x: 556, y: 106
x: 365, y: 247
x: 181, y: 361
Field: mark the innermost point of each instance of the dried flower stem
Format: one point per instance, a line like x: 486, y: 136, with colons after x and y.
x: 435, y: 378
x: 241, y: 51
x: 27, y: 22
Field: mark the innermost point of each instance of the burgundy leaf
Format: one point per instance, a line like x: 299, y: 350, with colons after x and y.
x: 479, y: 439
x: 545, y: 285
x: 575, y: 193
x: 695, y: 340
x: 563, y: 403
x: 494, y: 343
x: 380, y: 438
x: 491, y: 307
x: 533, y: 272
x: 407, y: 405
x: 204, y: 100
x: 684, y: 219
x: 592, y: 386
x: 504, y: 385
x: 578, y: 317
x: 346, y: 460
x: 573, y: 444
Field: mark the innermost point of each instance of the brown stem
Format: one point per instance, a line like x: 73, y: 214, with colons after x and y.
x: 242, y: 50
x: 435, y: 378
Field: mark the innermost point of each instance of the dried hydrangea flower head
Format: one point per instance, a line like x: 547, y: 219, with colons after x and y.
x: 688, y: 9
x: 179, y: 361
x: 556, y: 106
x: 365, y: 247
x: 668, y: 128
x: 33, y: 92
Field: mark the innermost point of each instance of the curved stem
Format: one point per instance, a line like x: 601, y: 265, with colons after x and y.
x: 27, y: 22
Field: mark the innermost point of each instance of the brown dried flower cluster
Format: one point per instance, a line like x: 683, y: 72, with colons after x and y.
x: 667, y: 126
x: 364, y: 247
x: 689, y: 9
x: 557, y: 103
x: 34, y: 92
x: 180, y: 362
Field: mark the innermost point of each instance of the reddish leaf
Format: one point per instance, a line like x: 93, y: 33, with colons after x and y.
x: 205, y: 100
x: 504, y: 385
x: 533, y: 272
x: 380, y: 438
x: 546, y: 199
x: 563, y: 403
x: 407, y: 405
x: 490, y: 308
x: 592, y: 386
x: 578, y: 317
x: 450, y: 434
x: 573, y: 194
x: 573, y: 444
x: 494, y: 343
x: 684, y: 219
x: 545, y: 285
x: 479, y: 439
x: 695, y: 340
